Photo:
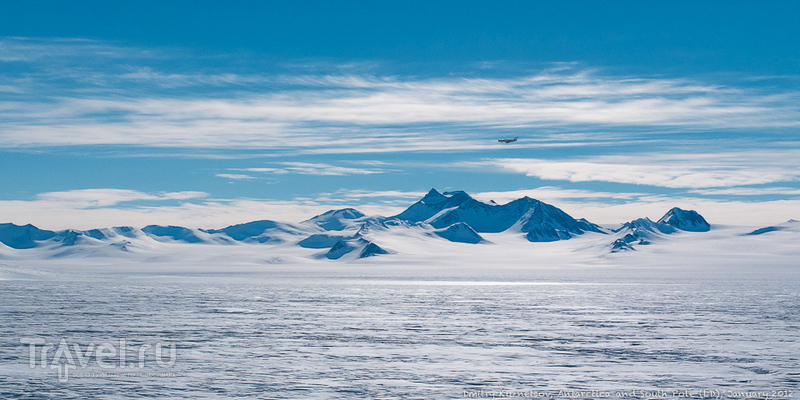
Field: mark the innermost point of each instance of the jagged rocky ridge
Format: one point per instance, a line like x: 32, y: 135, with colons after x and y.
x: 347, y: 233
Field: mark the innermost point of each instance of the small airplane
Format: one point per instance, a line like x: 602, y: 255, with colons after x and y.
x: 508, y: 140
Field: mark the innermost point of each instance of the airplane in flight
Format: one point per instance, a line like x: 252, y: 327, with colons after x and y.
x: 508, y: 140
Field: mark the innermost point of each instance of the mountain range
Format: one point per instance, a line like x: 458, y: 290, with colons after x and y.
x: 349, y: 234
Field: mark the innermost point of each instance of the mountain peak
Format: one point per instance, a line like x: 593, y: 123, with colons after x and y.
x: 346, y: 213
x: 524, y: 215
x: 433, y: 197
x: 685, y: 220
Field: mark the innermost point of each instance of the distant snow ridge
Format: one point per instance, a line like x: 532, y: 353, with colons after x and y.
x: 790, y: 225
x: 335, y: 220
x: 263, y: 231
x: 540, y: 221
x: 177, y: 233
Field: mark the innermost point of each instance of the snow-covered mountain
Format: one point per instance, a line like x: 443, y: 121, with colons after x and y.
x: 263, y: 231
x: 337, y: 220
x: 685, y: 220
x: 23, y: 237
x: 644, y: 231
x: 442, y: 220
x: 540, y: 221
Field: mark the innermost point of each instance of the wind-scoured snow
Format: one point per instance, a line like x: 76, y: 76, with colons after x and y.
x: 436, y: 319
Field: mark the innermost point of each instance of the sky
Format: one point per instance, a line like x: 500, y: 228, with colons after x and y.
x: 205, y: 114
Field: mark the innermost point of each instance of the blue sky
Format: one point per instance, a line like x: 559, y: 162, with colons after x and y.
x: 207, y: 113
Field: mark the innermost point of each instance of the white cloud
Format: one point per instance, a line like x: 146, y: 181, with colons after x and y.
x: 671, y: 171
x: 304, y: 168
x: 88, y: 198
x: 361, y: 193
x: 326, y: 169
x: 385, y: 202
x: 749, y: 191
x: 347, y: 112
x: 551, y: 193
x: 235, y: 176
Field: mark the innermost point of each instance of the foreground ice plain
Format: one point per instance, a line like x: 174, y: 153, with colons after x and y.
x: 715, y: 310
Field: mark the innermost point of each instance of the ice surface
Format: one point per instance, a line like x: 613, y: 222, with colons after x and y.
x: 417, y: 331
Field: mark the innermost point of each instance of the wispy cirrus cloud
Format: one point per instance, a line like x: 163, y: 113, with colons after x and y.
x: 306, y: 168
x: 125, y: 103
x: 669, y: 171
x: 550, y: 193
x: 90, y: 198
x: 386, y: 202
x: 236, y: 177
x: 749, y: 191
